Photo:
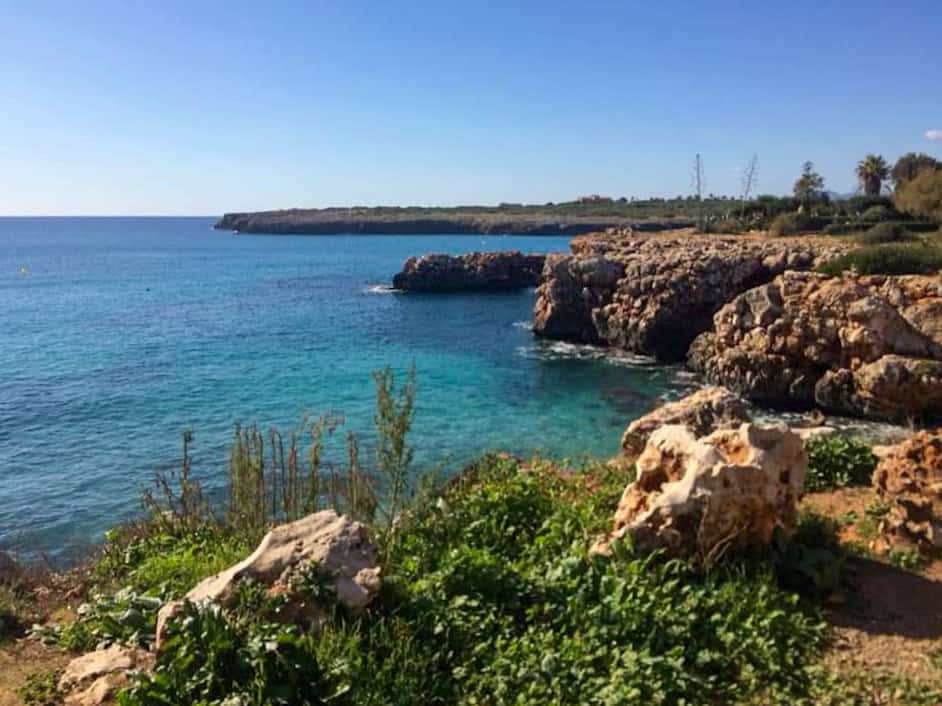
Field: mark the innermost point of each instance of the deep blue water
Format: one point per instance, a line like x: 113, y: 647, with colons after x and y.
x: 122, y: 332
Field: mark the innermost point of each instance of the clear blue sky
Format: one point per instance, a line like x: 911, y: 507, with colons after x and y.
x: 200, y: 108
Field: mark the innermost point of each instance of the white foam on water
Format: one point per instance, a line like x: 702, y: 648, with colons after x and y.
x: 525, y: 325
x: 380, y: 289
x: 563, y: 350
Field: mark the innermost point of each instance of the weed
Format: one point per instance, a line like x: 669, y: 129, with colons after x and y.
x: 837, y: 462
x: 41, y: 689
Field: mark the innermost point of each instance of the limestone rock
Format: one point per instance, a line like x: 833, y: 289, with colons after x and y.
x: 479, y: 271
x: 573, y: 287
x: 725, y: 491
x: 337, y: 546
x: 909, y: 476
x: 843, y: 343
x: 94, y: 678
x: 666, y: 289
x: 703, y: 412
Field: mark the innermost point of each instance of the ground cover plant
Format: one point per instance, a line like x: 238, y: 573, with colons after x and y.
x: 888, y: 259
x: 838, y: 462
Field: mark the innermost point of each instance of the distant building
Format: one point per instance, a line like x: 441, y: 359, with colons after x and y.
x: 594, y: 198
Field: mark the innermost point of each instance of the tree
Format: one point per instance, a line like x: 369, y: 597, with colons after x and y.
x: 872, y: 170
x: 910, y: 165
x: 809, y: 185
x: 922, y: 195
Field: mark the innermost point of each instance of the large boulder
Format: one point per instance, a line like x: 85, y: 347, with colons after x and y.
x: 659, y: 291
x: 703, y: 412
x: 479, y: 271
x: 332, y: 545
x: 96, y: 677
x: 843, y: 343
x: 702, y: 497
x: 909, y: 477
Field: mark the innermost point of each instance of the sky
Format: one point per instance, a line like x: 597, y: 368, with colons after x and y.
x: 202, y: 108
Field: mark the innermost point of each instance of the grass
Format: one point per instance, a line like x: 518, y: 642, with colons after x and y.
x: 888, y: 259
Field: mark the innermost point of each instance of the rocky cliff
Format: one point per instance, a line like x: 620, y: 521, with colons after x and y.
x: 653, y: 294
x: 867, y: 346
x: 479, y: 271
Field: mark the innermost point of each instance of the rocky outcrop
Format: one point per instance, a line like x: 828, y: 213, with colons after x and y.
x: 668, y: 287
x: 852, y: 345
x: 703, y: 412
x: 909, y: 477
x: 573, y: 289
x: 95, y: 678
x: 703, y: 497
x: 475, y: 272
x: 332, y: 545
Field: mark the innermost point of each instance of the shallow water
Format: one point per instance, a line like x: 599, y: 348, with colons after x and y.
x: 120, y: 333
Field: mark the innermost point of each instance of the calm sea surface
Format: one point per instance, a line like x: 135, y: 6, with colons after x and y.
x: 120, y: 333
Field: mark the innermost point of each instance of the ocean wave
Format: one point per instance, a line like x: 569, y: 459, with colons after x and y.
x: 525, y: 325
x: 380, y: 289
x: 563, y: 350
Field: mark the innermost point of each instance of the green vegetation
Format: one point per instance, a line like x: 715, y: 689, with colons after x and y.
x: 786, y: 224
x: 886, y: 233
x: 911, y: 165
x: 491, y: 595
x: 888, y: 259
x: 922, y: 195
x: 41, y: 689
x: 809, y: 186
x: 872, y: 171
x: 838, y: 462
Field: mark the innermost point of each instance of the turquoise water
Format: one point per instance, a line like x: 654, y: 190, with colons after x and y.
x: 120, y: 333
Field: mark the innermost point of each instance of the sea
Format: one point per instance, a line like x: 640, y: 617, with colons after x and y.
x: 119, y: 334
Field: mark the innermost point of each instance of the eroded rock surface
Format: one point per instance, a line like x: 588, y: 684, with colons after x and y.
x: 853, y: 345
x: 703, y: 412
x: 96, y: 677
x: 479, y: 271
x: 909, y: 476
x: 725, y: 491
x: 334, y: 546
x: 653, y: 294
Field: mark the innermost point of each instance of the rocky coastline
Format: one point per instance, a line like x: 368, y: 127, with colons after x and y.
x: 474, y: 272
x: 749, y: 313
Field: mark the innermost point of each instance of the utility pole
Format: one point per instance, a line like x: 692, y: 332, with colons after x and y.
x: 698, y: 183
x: 749, y: 182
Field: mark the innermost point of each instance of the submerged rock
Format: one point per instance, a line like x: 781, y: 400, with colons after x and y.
x: 844, y: 343
x: 96, y: 677
x: 334, y: 546
x: 653, y: 294
x: 703, y: 412
x: 702, y: 497
x: 909, y: 476
x: 479, y: 271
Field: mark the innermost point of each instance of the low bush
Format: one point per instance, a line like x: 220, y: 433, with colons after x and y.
x: 786, y: 224
x: 838, y: 462
x: 41, y: 689
x: 878, y: 212
x: 888, y: 259
x: 886, y: 233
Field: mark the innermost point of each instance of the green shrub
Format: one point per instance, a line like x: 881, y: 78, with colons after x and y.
x: 11, y: 621
x: 886, y: 233
x: 888, y: 259
x: 785, y: 224
x: 837, y: 462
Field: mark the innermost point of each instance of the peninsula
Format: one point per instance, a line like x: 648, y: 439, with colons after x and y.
x: 573, y: 218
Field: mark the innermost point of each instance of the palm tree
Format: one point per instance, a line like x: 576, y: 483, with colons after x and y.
x: 871, y: 171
